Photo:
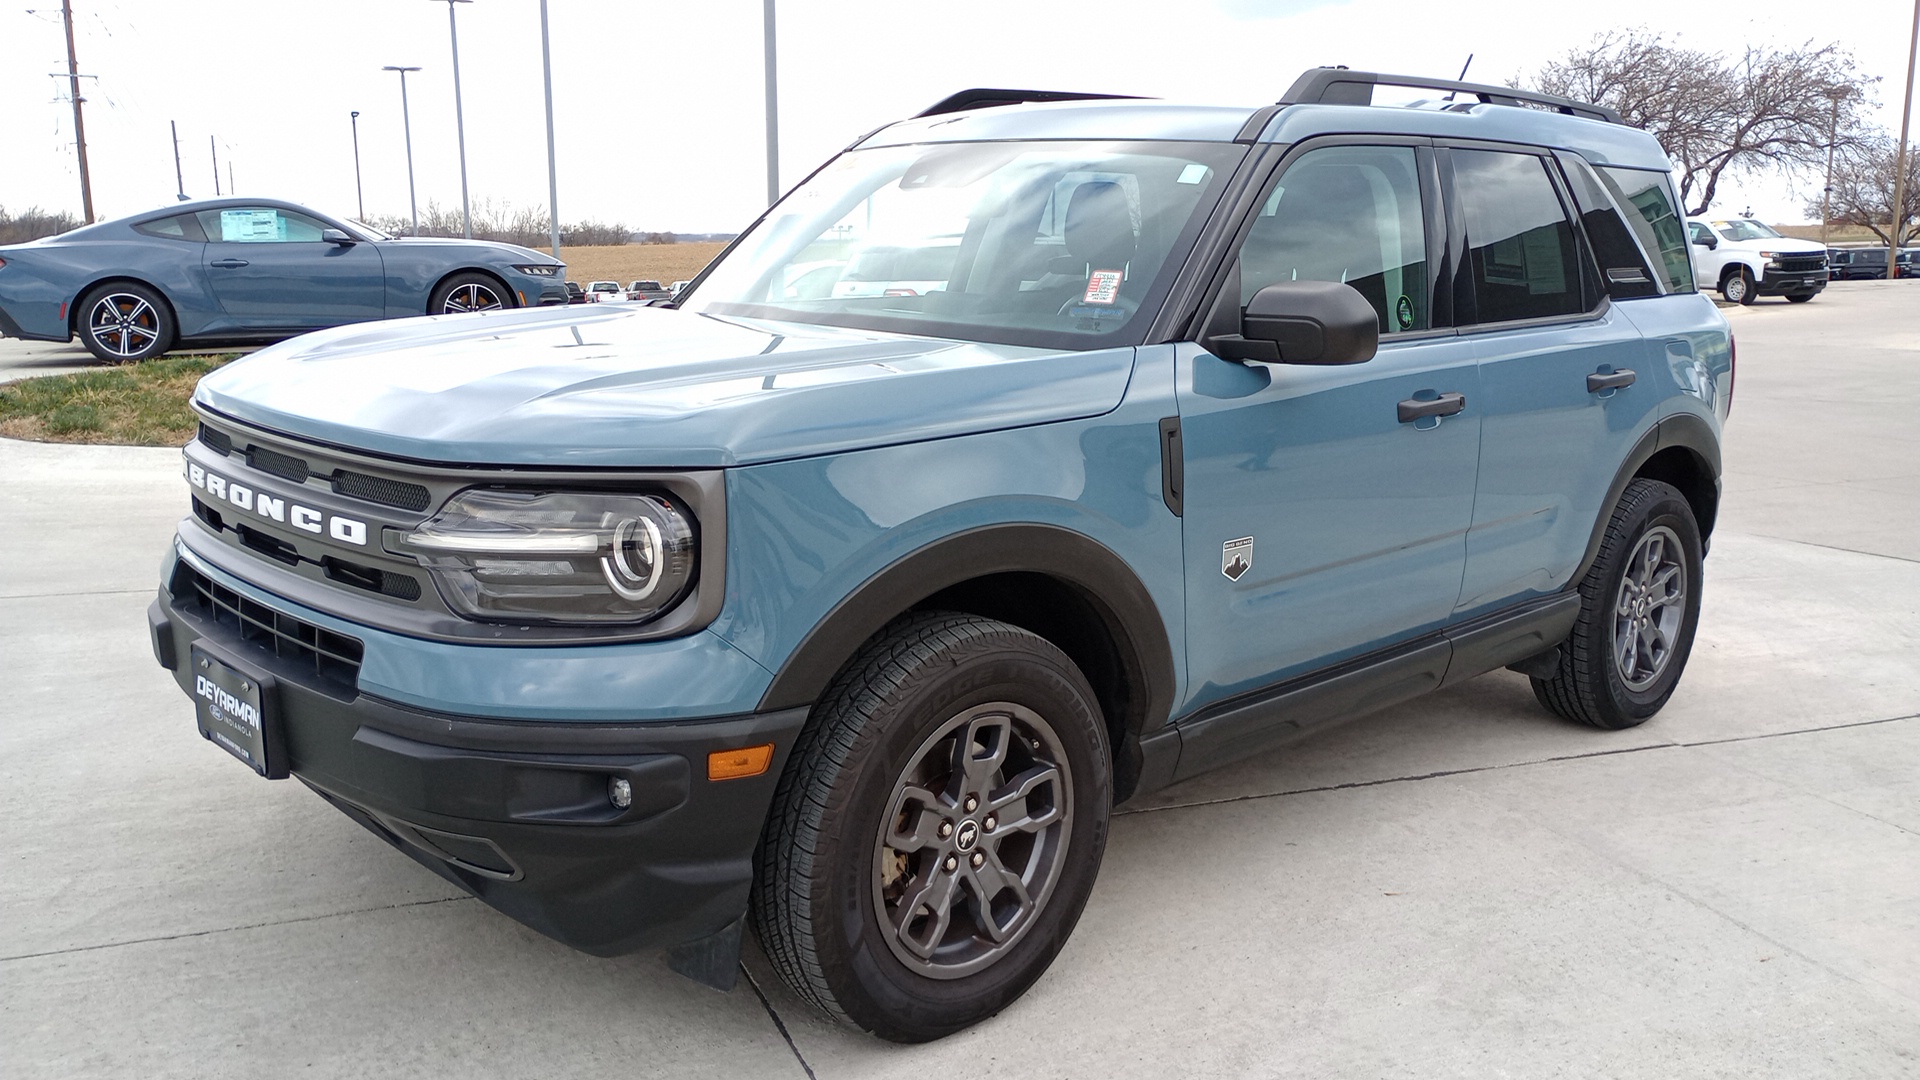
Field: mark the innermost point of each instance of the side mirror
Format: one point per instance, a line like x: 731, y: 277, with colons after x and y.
x: 1304, y: 322
x: 1707, y: 242
x: 335, y: 236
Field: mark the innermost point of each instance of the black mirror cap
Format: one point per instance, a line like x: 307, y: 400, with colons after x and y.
x: 1305, y: 322
x: 335, y: 236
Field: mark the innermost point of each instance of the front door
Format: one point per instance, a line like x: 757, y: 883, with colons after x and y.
x: 271, y: 271
x: 1317, y: 524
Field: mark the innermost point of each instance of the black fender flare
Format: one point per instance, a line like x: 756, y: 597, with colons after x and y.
x: 1100, y: 577
x: 1685, y: 431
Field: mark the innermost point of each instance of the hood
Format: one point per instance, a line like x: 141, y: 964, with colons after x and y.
x: 528, y: 254
x: 622, y: 385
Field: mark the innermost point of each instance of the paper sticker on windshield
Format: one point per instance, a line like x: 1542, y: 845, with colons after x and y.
x: 1103, y: 287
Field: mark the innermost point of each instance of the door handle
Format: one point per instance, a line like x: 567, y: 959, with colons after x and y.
x: 1445, y: 405
x: 1614, y: 380
x: 228, y: 264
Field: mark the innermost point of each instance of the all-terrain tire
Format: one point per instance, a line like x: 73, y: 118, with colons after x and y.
x: 840, y: 885
x: 1643, y: 588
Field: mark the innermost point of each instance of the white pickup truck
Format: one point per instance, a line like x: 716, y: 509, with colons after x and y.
x: 1745, y: 259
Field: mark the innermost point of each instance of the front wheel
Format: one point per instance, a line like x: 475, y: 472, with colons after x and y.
x: 1738, y: 287
x: 1639, y: 606
x: 938, y: 830
x: 468, y: 292
x: 125, y: 322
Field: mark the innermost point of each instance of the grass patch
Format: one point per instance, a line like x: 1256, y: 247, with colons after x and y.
x: 143, y: 404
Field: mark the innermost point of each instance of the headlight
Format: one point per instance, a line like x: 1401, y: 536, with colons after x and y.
x: 540, y: 269
x: 558, y: 557
x: 1770, y: 255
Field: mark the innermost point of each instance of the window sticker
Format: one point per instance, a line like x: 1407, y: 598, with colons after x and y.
x: 1194, y: 173
x: 252, y: 226
x: 1403, y: 312
x: 1103, y: 287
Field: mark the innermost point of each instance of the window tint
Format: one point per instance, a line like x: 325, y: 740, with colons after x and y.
x: 1647, y: 199
x: 177, y: 227
x: 1525, y: 262
x: 259, y: 225
x: 1350, y: 214
x: 1624, y: 269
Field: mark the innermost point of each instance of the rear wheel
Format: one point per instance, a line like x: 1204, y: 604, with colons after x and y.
x: 938, y: 830
x: 124, y: 322
x: 1639, y: 606
x: 468, y: 292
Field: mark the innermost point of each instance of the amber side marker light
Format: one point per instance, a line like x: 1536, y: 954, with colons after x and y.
x: 737, y: 764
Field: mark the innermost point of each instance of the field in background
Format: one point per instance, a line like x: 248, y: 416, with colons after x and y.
x: 665, y: 263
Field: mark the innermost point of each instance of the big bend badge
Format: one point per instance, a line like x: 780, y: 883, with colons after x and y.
x: 1236, y: 557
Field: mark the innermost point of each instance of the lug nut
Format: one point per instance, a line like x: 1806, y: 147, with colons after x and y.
x: 946, y: 829
x: 979, y: 860
x: 970, y: 804
x: 953, y: 862
x: 990, y: 823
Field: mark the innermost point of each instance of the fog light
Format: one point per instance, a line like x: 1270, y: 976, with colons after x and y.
x: 620, y: 793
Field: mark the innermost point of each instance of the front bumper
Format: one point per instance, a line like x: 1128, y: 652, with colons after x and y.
x: 517, y: 813
x: 1778, y: 282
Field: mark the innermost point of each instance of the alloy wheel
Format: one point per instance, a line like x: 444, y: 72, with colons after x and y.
x: 124, y: 324
x: 1649, y: 608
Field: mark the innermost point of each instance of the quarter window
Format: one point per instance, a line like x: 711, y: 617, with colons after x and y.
x: 177, y: 227
x: 1350, y: 214
x: 1624, y: 271
x: 1524, y: 258
x: 1647, y: 198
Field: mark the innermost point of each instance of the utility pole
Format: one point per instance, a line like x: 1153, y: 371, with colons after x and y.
x: 460, y: 119
x: 178, y: 176
x: 1837, y: 94
x: 406, y: 120
x: 215, y: 151
x: 553, y: 174
x: 773, y: 113
x: 79, y: 124
x: 358, y: 191
x: 1900, y: 153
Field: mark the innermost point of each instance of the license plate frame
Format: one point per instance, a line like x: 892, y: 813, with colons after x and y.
x: 234, y: 705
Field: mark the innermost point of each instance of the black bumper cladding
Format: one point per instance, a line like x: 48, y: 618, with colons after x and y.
x: 520, y: 814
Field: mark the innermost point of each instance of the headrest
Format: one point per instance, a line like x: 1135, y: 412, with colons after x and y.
x: 1099, y: 225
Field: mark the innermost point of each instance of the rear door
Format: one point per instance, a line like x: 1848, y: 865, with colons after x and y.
x: 270, y: 270
x: 1317, y: 524
x: 1565, y: 384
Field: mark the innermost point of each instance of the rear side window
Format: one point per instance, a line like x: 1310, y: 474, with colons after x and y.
x: 1624, y: 269
x: 1647, y: 199
x: 1524, y: 258
x: 178, y: 227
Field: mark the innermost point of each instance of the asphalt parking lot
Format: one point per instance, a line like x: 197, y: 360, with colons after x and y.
x: 1461, y: 886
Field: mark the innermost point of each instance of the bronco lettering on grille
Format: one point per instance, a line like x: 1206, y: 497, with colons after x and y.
x: 274, y: 508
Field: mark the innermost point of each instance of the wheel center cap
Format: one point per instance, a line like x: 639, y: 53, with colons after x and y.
x: 968, y: 836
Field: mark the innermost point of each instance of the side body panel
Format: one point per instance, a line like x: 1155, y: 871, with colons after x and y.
x: 294, y: 286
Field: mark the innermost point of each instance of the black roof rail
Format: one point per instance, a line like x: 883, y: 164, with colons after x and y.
x: 987, y: 99
x: 1338, y: 86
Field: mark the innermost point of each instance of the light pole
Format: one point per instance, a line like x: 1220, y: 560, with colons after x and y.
x: 773, y: 113
x: 553, y: 175
x: 459, y: 119
x: 1900, y: 153
x: 406, y: 121
x: 1837, y: 94
x: 360, y: 193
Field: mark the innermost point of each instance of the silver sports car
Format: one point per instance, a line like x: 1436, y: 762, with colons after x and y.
x: 248, y: 269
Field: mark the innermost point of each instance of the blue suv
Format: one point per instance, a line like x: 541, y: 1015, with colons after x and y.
x: 847, y: 603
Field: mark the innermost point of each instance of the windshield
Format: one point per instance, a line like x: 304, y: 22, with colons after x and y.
x: 1744, y: 229
x: 365, y: 231
x: 1054, y: 244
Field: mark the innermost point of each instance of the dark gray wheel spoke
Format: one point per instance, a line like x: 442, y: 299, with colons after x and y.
x: 917, y: 814
x: 1650, y: 608
x: 987, y: 888
x: 982, y: 749
x: 924, y: 913
x: 1019, y: 818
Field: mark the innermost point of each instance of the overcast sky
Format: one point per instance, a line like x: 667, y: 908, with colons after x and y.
x: 659, y: 105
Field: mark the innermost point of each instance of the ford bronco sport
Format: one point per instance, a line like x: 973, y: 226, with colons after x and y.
x: 850, y: 614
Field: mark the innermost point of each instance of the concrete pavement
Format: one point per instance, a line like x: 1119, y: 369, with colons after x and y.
x: 27, y: 359
x: 1462, y: 886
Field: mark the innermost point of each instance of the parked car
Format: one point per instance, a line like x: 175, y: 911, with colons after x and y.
x: 851, y: 618
x: 648, y: 290
x: 677, y: 287
x: 576, y: 294
x: 1868, y: 263
x: 602, y: 291
x: 248, y: 269
x: 1747, y: 259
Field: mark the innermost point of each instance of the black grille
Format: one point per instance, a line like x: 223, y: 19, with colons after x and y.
x: 371, y: 578
x: 1802, y: 264
x: 281, y: 465
x: 380, y: 490
x: 216, y: 441
x: 333, y: 657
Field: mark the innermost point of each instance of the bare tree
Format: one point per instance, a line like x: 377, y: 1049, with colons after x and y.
x: 1863, y: 190
x: 1715, y: 114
